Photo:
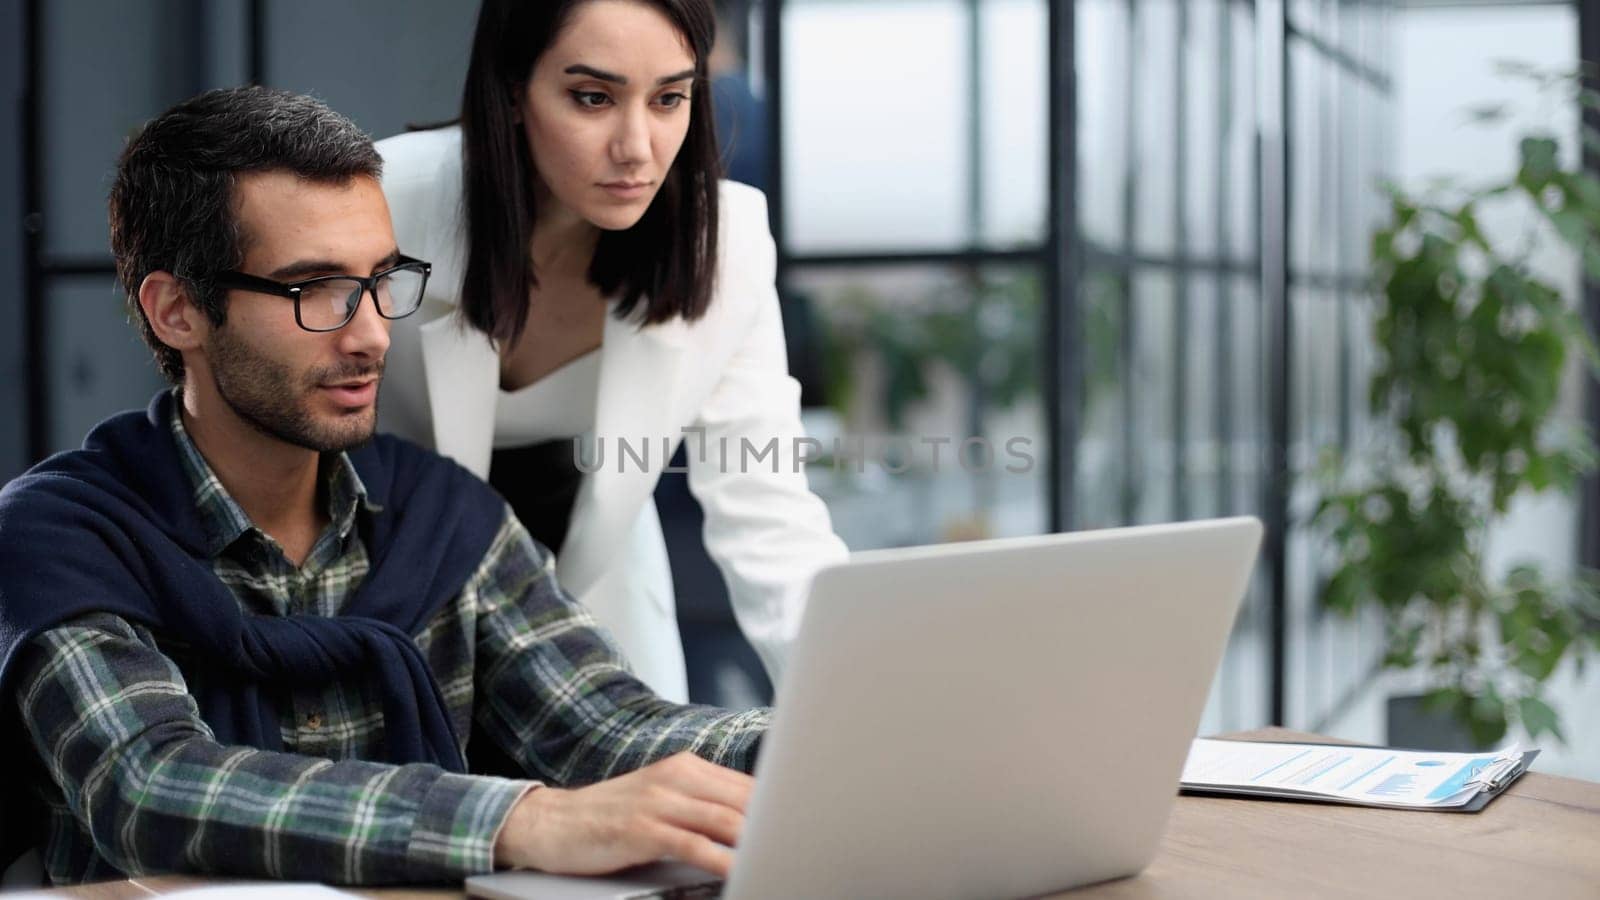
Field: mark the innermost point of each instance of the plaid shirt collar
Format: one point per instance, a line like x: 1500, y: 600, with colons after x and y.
x: 225, y: 521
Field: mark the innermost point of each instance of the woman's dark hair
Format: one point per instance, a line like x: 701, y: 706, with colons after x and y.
x: 172, y: 204
x: 667, y: 259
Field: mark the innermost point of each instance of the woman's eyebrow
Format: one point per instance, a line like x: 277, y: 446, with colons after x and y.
x: 580, y: 69
x: 614, y: 78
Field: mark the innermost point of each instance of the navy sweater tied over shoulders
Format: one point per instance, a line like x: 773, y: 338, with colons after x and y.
x: 113, y: 527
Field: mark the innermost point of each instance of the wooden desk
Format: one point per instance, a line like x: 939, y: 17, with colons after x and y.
x: 1538, y: 840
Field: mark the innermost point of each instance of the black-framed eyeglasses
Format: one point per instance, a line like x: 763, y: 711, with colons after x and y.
x: 329, y: 302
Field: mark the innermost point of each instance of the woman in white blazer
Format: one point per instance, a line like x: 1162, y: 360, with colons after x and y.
x: 586, y: 249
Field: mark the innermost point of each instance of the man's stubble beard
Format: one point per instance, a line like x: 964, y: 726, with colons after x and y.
x: 265, y: 394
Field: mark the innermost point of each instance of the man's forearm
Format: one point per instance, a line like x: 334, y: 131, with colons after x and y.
x: 556, y: 695
x: 614, y: 728
x: 121, y: 737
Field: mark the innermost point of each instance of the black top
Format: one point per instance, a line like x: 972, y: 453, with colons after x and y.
x: 540, y: 481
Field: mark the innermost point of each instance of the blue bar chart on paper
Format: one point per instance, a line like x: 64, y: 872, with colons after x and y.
x: 1401, y: 785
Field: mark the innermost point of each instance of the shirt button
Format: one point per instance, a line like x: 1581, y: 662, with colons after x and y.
x: 314, y: 721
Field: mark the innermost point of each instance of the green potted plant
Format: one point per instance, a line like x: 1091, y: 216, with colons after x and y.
x: 1471, y: 351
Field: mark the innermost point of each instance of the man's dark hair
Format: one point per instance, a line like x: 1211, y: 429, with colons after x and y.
x: 666, y: 261
x: 173, y: 207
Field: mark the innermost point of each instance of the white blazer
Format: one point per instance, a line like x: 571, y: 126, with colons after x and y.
x: 726, y: 373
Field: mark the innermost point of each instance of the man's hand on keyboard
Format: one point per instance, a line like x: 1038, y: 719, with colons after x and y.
x: 681, y: 808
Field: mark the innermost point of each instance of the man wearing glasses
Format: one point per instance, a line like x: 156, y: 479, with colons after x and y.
x: 242, y: 636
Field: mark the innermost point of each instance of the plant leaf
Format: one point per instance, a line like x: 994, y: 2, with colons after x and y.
x: 1538, y: 163
x: 1572, y: 225
x: 1486, y: 719
x: 1539, y: 718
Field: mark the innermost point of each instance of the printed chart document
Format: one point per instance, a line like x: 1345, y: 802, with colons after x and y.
x: 1368, y: 776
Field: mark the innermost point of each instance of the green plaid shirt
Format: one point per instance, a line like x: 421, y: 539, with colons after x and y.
x: 138, y: 784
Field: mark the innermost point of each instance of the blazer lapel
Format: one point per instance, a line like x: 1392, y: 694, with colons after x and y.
x: 463, y: 377
x: 636, y: 403
x: 460, y: 364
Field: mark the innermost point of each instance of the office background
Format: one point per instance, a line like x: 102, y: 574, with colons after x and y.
x: 1132, y: 234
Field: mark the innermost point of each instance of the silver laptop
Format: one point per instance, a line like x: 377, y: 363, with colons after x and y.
x: 981, y: 720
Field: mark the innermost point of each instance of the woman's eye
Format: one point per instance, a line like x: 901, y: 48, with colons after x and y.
x: 590, y: 99
x: 671, y: 101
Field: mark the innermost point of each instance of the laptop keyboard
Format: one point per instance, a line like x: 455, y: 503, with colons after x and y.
x: 704, y: 889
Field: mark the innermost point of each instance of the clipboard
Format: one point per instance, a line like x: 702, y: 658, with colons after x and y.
x: 1482, y: 777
